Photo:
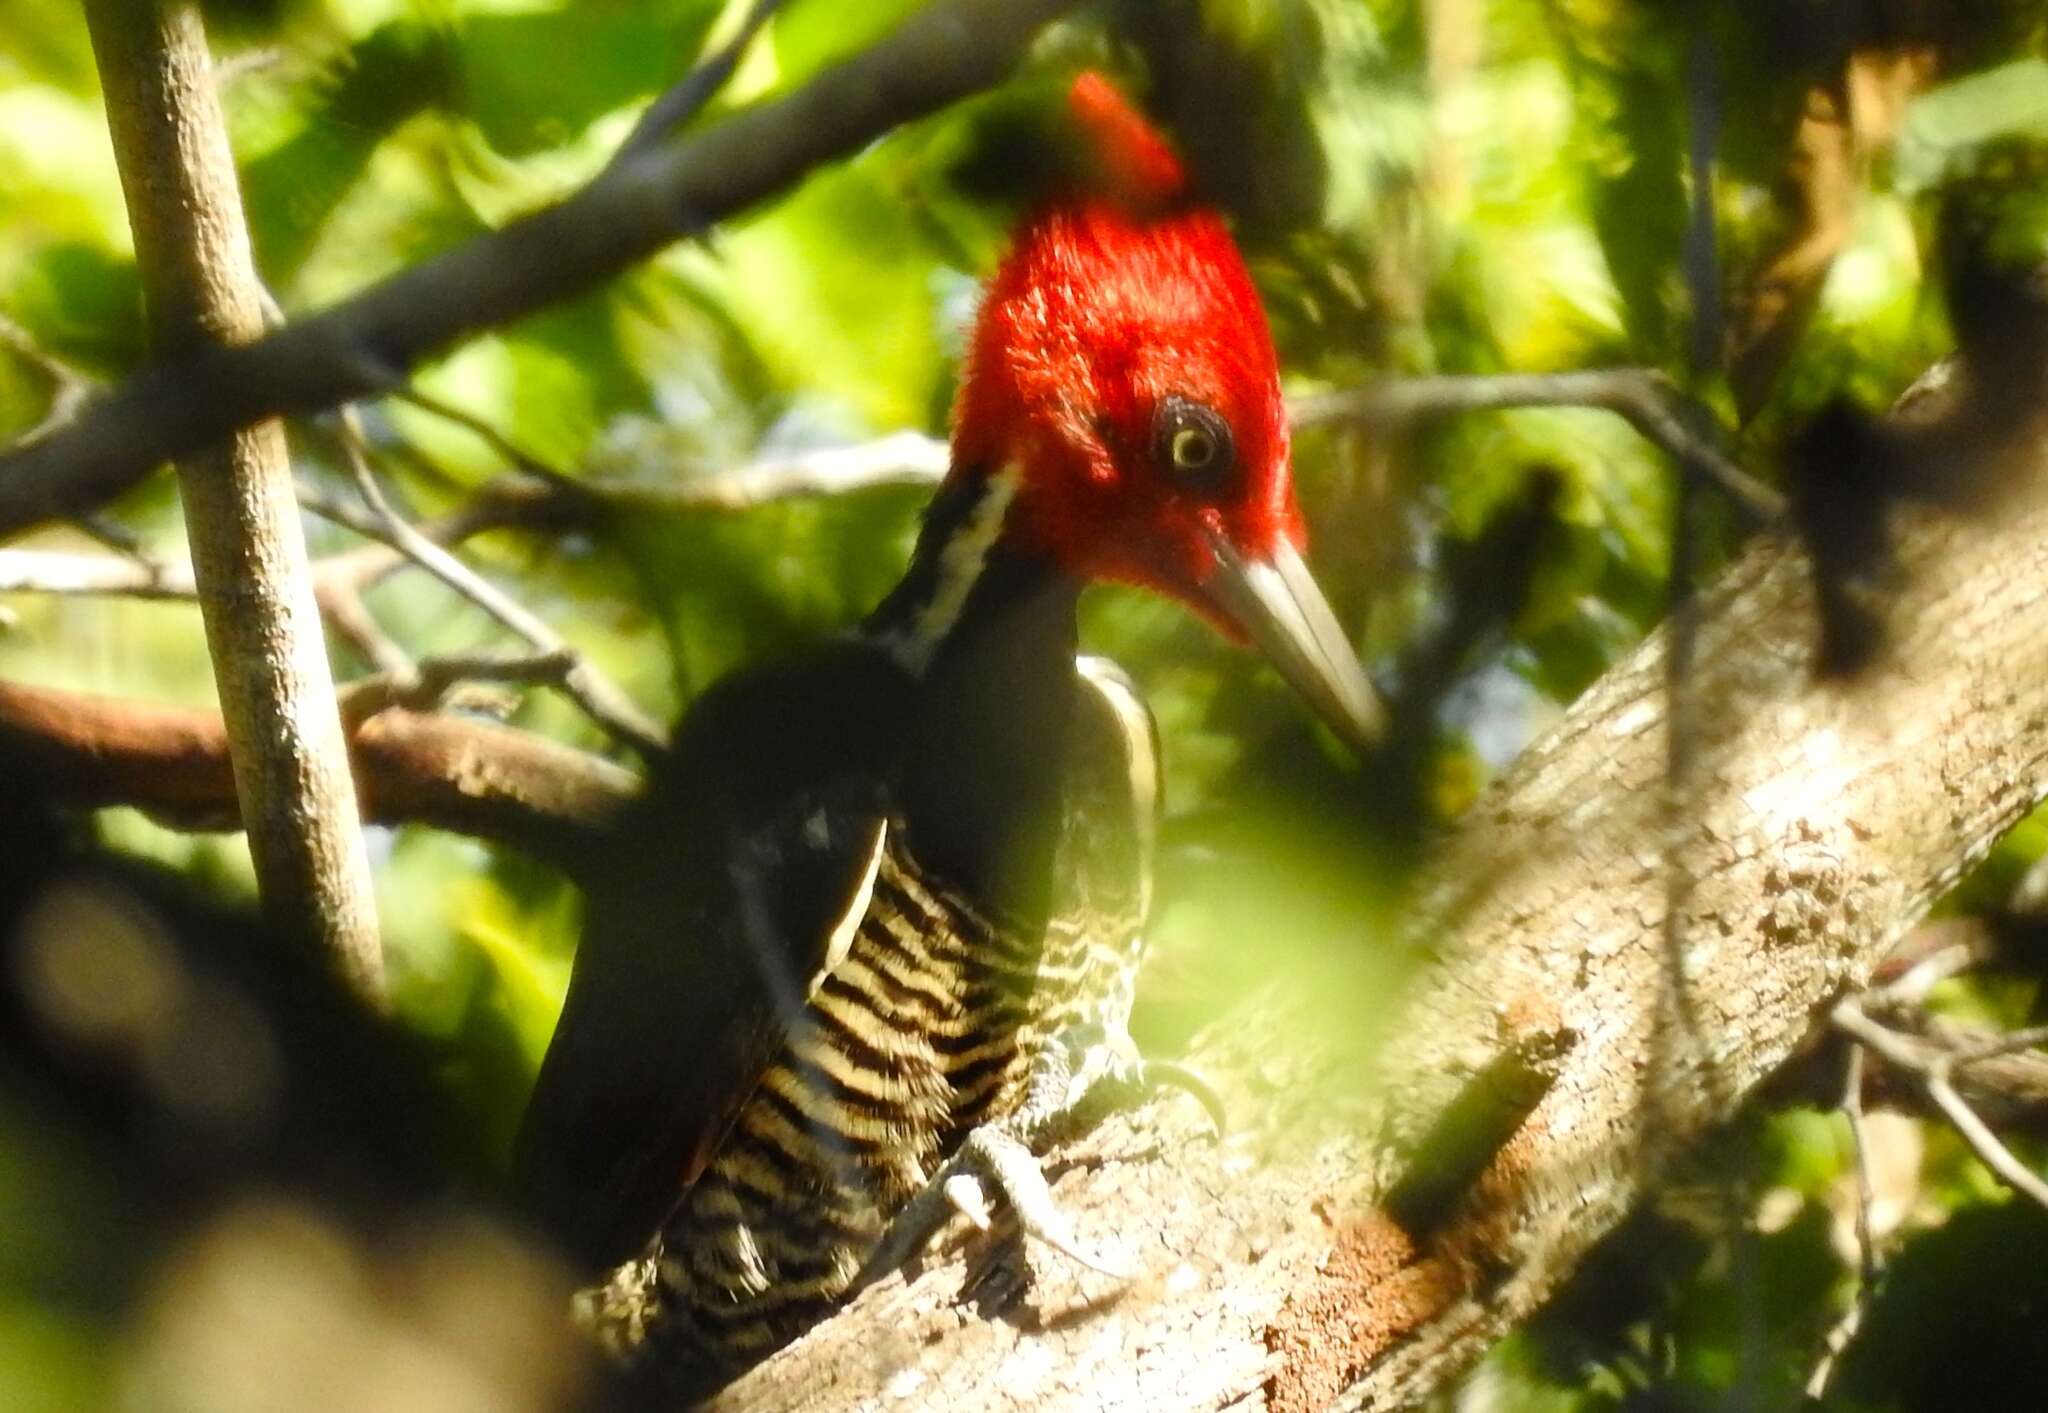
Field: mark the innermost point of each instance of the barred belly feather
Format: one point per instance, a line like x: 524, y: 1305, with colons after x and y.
x: 923, y: 1028
x: 919, y: 1032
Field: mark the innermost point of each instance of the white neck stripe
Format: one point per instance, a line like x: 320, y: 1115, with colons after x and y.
x: 961, y: 561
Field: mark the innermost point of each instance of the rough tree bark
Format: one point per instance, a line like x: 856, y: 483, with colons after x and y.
x: 1387, y: 1210
x: 248, y: 550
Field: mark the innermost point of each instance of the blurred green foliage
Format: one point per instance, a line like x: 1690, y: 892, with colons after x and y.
x: 1423, y: 186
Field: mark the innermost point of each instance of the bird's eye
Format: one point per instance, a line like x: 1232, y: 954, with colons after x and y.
x: 1193, y: 449
x: 1192, y: 442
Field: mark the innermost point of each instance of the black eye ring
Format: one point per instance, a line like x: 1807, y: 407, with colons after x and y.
x: 1191, y: 443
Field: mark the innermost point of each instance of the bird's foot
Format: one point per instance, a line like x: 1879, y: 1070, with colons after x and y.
x: 989, y: 1159
x: 1083, y: 1075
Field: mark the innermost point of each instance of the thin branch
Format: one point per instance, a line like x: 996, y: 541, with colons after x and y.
x: 596, y: 694
x: 520, y: 458
x: 118, y: 538
x: 1869, y: 1260
x: 688, y: 97
x: 1986, y: 1144
x: 229, y: 71
x: 365, y: 345
x: 1930, y: 955
x: 1933, y: 1068
x: 1644, y: 397
x: 899, y: 459
x: 69, y: 389
x: 424, y: 685
x: 350, y: 620
x: 68, y: 385
x: 2008, y: 1090
x: 57, y: 572
x: 508, y: 504
x: 909, y: 459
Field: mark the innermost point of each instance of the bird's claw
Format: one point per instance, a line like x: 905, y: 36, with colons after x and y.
x: 1082, y: 1076
x: 1155, y: 1075
x: 988, y: 1158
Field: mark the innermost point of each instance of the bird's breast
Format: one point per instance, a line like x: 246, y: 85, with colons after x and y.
x: 920, y: 1030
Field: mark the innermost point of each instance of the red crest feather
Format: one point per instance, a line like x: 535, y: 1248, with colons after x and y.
x: 1134, y: 164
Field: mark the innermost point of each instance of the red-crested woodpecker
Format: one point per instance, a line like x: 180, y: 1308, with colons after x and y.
x: 872, y: 937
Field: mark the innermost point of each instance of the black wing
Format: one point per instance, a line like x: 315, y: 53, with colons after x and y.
x: 704, y: 928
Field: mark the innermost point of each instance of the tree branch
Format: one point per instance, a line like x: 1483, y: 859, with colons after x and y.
x: 1644, y: 397
x: 471, y: 777
x: 248, y: 551
x: 364, y: 346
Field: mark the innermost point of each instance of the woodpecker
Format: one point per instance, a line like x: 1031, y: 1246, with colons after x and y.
x: 873, y: 931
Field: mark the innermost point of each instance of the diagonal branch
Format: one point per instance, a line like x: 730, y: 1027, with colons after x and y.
x: 1828, y: 816
x: 364, y: 346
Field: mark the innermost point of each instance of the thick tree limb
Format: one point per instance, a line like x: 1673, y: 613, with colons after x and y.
x: 364, y: 346
x: 1329, y: 1252
x: 472, y: 777
x: 248, y: 550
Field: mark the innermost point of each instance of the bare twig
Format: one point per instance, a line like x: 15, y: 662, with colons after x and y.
x: 482, y: 428
x: 696, y: 88
x: 351, y: 621
x: 2008, y: 1090
x: 118, y: 538
x: 603, y: 701
x: 1869, y: 1260
x: 69, y: 387
x: 424, y: 685
x: 235, y: 67
x: 364, y: 346
x: 1986, y: 1144
x: 899, y: 459
x: 1644, y: 397
x: 1930, y: 955
x: 513, y: 503
x: 56, y: 572
x: 336, y: 584
x: 1933, y: 1067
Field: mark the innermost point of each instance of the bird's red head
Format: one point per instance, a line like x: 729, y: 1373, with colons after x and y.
x: 1122, y: 370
